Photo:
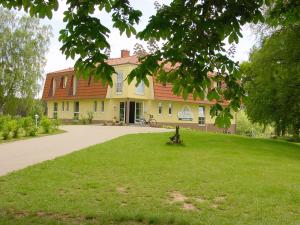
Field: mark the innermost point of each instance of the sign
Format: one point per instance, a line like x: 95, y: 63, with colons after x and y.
x: 185, y: 114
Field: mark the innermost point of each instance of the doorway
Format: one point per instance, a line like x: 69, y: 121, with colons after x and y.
x: 131, y: 112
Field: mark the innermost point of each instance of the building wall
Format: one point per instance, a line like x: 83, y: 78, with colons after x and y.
x: 129, y: 90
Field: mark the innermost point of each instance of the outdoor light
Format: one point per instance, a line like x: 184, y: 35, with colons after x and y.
x: 36, y: 116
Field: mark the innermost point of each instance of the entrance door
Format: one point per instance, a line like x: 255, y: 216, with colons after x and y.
x: 131, y: 112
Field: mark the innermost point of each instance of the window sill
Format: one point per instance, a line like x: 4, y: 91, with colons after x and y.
x: 201, y: 125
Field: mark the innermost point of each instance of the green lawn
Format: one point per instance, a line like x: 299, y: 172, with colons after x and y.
x: 138, y: 179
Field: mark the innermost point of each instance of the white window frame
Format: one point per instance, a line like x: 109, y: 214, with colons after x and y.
x: 55, y: 110
x: 53, y: 86
x: 170, y: 107
x: 65, y: 81
x: 119, y: 83
x: 160, y: 109
x: 202, y: 117
x: 75, y: 84
x: 102, y: 106
x: 142, y: 112
x: 140, y: 89
x: 76, y: 112
x: 95, y: 106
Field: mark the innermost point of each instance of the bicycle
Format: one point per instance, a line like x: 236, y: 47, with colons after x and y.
x: 151, y: 122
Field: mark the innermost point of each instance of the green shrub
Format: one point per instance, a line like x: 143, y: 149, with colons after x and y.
x: 55, y: 124
x: 29, y: 127
x: 49, y: 125
x: 46, y: 124
x: 3, y: 121
x: 245, y: 127
x: 84, y: 120
x: 90, y: 117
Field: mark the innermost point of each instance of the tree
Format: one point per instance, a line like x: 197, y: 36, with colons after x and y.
x: 139, y: 50
x: 194, y: 33
x: 23, y: 44
x: 272, y: 81
x: 152, y: 46
x: 272, y: 75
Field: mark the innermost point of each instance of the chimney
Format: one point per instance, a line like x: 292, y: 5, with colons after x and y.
x: 125, y: 53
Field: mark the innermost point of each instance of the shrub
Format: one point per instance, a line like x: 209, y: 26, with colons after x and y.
x: 84, y: 120
x: 49, y: 125
x: 46, y: 124
x: 90, y: 117
x: 29, y: 126
x: 245, y: 127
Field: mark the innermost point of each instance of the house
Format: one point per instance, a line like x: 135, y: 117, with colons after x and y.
x: 68, y: 97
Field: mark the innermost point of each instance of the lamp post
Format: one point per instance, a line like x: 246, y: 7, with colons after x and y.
x: 36, y: 116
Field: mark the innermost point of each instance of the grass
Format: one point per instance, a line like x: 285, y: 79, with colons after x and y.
x: 135, y: 179
x: 39, y: 134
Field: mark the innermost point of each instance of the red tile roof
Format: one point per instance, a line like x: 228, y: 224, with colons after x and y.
x: 97, y: 90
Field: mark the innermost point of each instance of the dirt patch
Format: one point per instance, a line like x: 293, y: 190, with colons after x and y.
x: 122, y: 190
x: 219, y: 199
x: 214, y: 206
x: 200, y: 199
x: 188, y: 206
x: 177, y: 197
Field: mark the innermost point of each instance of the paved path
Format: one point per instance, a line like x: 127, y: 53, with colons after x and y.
x: 20, y: 154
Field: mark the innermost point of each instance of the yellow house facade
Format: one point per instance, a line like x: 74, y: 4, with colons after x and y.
x: 69, y: 98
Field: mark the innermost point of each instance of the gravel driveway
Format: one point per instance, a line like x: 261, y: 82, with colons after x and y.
x: 20, y: 154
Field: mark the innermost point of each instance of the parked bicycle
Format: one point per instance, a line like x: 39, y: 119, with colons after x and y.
x: 151, y: 121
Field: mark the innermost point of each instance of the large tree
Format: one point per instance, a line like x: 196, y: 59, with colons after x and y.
x: 272, y: 75
x: 23, y: 44
x: 194, y: 34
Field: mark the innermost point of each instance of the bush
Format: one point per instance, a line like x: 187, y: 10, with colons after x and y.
x: 49, y: 125
x: 245, y: 127
x: 46, y: 124
x: 84, y: 120
x: 90, y: 117
x: 29, y: 126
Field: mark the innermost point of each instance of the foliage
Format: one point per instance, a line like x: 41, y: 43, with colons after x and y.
x: 141, y: 172
x: 23, y: 44
x: 245, y: 127
x: 84, y: 120
x: 139, y: 50
x: 49, y: 125
x: 90, y: 117
x: 194, y: 32
x: 272, y: 81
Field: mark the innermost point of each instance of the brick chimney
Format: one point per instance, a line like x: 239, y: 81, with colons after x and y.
x: 125, y: 53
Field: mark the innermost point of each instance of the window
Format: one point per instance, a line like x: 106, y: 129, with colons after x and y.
x: 67, y: 108
x: 53, y: 87
x: 76, y: 110
x: 122, y: 111
x: 75, y: 84
x: 95, y: 106
x: 159, y: 108
x: 102, y: 106
x: 170, y: 109
x: 63, y: 106
x: 201, y: 116
x: 140, y: 89
x: 65, y: 81
x: 138, y: 112
x: 61, y: 84
x: 55, y: 108
x: 119, y: 87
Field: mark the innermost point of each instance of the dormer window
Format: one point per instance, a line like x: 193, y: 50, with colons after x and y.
x: 53, y: 87
x: 75, y: 84
x: 65, y: 81
x: 119, y: 85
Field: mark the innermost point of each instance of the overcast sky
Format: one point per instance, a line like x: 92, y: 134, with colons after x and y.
x: 56, y: 60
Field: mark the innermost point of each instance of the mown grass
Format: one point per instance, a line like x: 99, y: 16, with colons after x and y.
x: 131, y: 180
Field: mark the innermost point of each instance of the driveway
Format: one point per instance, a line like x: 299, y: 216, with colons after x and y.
x: 20, y: 154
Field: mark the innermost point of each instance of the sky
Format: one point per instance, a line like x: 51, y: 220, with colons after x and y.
x: 56, y: 60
